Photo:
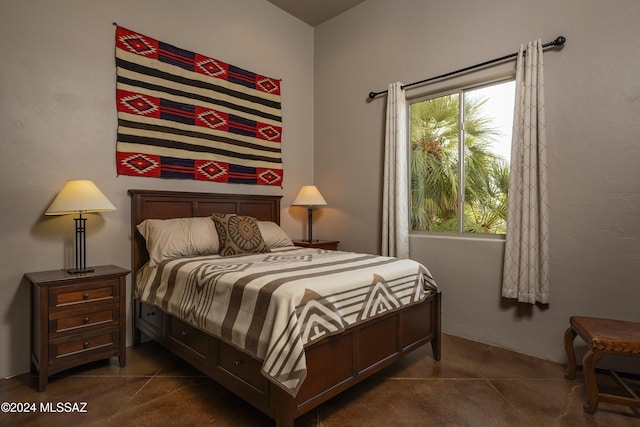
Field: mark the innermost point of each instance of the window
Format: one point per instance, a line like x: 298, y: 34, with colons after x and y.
x: 437, y: 178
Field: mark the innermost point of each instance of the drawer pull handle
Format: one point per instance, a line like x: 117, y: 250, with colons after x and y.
x: 85, y: 296
x: 238, y: 362
x: 86, y: 344
x: 151, y: 313
x: 183, y: 333
x: 85, y: 320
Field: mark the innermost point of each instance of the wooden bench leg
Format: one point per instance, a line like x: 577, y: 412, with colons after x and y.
x: 569, y: 337
x: 589, y: 369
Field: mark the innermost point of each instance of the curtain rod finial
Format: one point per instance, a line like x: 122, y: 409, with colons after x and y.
x: 372, y: 95
x: 560, y: 40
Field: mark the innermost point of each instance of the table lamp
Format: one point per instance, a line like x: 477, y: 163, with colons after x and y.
x: 79, y: 197
x: 309, y: 196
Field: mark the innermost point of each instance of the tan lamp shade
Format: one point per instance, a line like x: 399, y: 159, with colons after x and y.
x: 79, y: 196
x: 309, y: 196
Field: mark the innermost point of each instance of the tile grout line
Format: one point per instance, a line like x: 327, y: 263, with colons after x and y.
x: 134, y: 394
x: 155, y: 376
x: 515, y: 407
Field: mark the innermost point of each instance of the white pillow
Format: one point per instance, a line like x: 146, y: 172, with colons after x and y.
x: 173, y: 238
x: 273, y: 235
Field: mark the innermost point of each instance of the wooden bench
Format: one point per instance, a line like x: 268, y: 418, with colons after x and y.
x: 603, y: 336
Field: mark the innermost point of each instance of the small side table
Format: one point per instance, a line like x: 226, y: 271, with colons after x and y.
x: 331, y: 245
x: 77, y: 318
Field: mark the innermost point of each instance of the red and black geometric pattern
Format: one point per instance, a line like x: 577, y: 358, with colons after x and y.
x: 138, y: 164
x: 186, y: 115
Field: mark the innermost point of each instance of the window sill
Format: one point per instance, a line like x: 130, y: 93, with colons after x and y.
x: 499, y: 238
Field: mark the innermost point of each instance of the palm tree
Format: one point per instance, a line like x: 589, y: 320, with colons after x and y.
x: 434, y: 168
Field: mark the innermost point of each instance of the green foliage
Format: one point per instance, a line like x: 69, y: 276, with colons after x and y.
x: 434, y: 169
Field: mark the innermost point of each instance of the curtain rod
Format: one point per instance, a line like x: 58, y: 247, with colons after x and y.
x: 559, y: 41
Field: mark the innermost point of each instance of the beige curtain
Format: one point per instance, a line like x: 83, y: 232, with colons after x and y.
x: 526, y: 260
x: 395, y: 204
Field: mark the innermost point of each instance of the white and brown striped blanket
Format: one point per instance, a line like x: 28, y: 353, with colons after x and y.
x: 272, y: 305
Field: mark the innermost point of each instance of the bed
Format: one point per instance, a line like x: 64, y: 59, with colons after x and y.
x: 326, y: 362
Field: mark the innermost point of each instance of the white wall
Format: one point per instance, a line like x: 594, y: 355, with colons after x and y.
x: 58, y: 122
x: 593, y: 129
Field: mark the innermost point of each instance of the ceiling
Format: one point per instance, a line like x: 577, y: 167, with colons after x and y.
x: 315, y: 12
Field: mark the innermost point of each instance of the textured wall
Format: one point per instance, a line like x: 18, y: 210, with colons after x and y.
x: 593, y: 106
x: 58, y: 122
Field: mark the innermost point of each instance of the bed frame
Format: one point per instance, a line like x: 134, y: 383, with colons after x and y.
x: 333, y: 364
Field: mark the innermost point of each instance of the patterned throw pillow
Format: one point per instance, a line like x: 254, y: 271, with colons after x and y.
x: 238, y: 235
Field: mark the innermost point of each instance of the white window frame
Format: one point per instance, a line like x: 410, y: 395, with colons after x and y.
x: 460, y: 90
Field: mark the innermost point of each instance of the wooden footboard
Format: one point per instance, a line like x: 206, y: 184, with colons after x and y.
x: 333, y: 364
x: 337, y: 363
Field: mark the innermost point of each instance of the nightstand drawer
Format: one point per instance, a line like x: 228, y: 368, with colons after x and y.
x: 82, y: 345
x: 78, y: 320
x: 69, y: 297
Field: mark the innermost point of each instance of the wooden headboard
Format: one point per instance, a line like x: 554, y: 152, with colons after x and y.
x: 156, y: 204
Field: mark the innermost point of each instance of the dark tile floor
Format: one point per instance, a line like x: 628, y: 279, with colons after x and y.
x: 473, y: 385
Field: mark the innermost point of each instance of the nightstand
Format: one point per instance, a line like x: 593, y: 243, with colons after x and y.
x: 77, y: 318
x: 331, y: 245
